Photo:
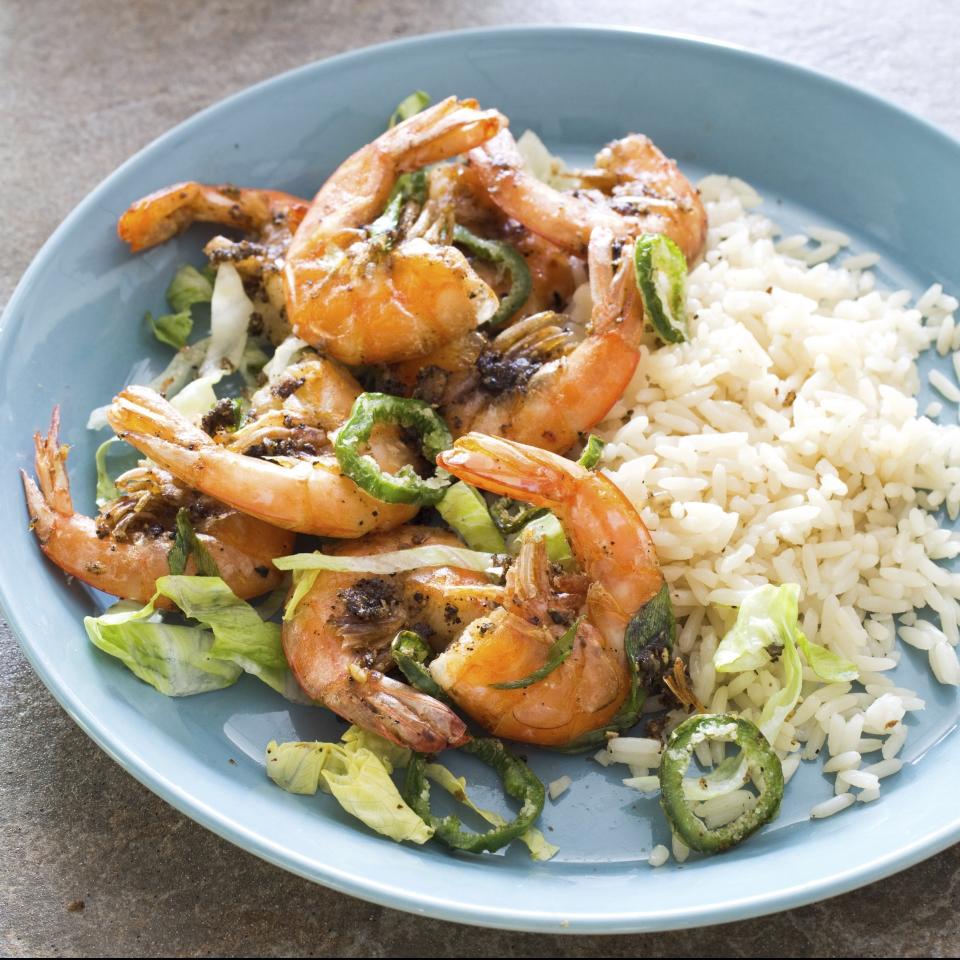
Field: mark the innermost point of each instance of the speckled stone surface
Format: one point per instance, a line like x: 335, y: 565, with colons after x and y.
x: 91, y: 863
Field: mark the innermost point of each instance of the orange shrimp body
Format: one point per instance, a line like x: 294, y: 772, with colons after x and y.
x: 126, y: 548
x: 619, y: 574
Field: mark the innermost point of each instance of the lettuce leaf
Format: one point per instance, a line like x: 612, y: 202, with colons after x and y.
x: 188, y: 286
x: 183, y: 660
x: 285, y: 354
x: 558, y: 547
x: 825, y: 663
x: 106, y: 488
x: 171, y: 328
x: 306, y: 566
x: 765, y: 618
x: 767, y: 629
x: 466, y: 513
x: 230, y: 310
x: 413, y: 104
x: 357, y: 778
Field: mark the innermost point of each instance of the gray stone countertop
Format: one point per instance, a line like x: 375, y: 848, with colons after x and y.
x: 92, y: 863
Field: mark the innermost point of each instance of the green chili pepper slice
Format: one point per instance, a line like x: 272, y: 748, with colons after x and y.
x: 512, y: 515
x: 661, y: 271
x: 648, y: 642
x: 592, y: 452
x: 494, y: 251
x: 518, y: 781
x: 558, y: 653
x: 404, y: 486
x: 410, y: 187
x: 763, y: 768
x: 187, y: 543
x: 410, y: 654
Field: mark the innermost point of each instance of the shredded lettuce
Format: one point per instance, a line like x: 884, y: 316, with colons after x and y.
x: 196, y: 398
x: 183, y: 660
x: 188, y: 286
x: 306, y: 566
x: 541, y: 162
x: 825, y: 663
x: 767, y: 629
x: 230, y: 310
x: 356, y: 776
x: 417, y: 101
x: 558, y: 547
x: 106, y: 488
x: 393, y: 561
x: 171, y: 328
x: 466, y: 513
x: 286, y: 354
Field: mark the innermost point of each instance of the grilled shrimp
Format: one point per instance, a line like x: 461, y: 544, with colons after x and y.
x: 619, y: 575
x: 125, y: 549
x: 279, y: 464
x: 633, y: 189
x: 369, y: 295
x: 270, y: 217
x: 545, y: 382
x: 337, y: 642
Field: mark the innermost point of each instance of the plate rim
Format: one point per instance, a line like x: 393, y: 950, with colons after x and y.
x: 368, y: 886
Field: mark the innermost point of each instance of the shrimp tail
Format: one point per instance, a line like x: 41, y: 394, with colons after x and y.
x: 140, y: 410
x: 398, y: 712
x: 50, y: 461
x: 512, y: 469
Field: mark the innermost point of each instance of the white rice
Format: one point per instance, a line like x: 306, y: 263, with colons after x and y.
x: 556, y: 788
x: 659, y: 855
x: 783, y: 443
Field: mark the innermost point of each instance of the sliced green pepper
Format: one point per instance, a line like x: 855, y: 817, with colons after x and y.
x: 592, y: 452
x: 661, y: 271
x: 763, y: 768
x: 410, y: 187
x: 518, y: 781
x: 404, y: 486
x: 648, y: 643
x: 558, y: 653
x: 495, y: 251
x: 512, y: 515
x: 410, y: 654
x: 187, y: 543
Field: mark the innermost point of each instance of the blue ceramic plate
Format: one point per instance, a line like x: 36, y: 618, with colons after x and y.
x: 820, y: 152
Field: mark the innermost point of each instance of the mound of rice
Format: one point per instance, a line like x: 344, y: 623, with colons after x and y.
x: 782, y: 443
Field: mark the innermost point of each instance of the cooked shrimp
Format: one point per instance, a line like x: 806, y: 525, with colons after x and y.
x: 536, y: 382
x: 278, y: 466
x: 337, y: 642
x: 367, y: 296
x: 619, y: 574
x: 633, y: 189
x: 272, y: 214
x: 269, y: 216
x: 126, y: 548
